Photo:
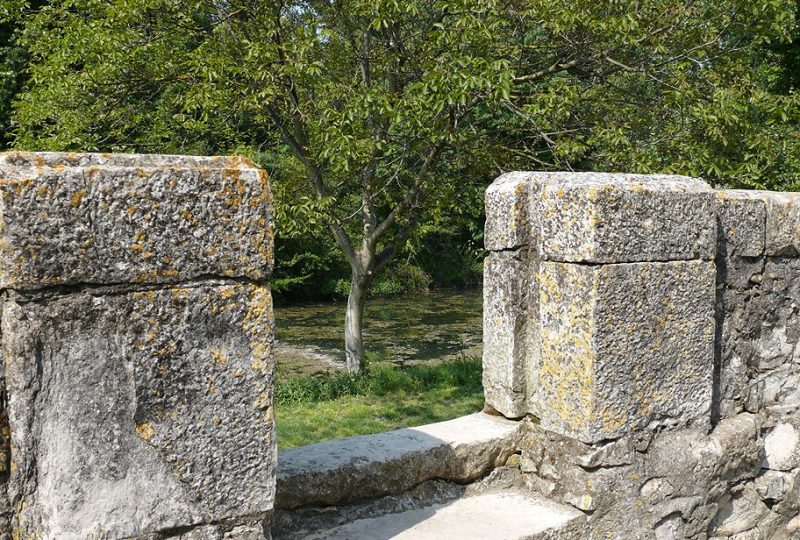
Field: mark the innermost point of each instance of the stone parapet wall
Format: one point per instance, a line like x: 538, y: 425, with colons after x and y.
x: 599, y: 301
x: 137, y: 338
x: 647, y: 328
x: 758, y: 301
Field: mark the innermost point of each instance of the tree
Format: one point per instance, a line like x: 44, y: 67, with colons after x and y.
x: 385, y: 105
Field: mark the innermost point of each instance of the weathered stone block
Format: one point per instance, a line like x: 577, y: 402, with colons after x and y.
x: 624, y: 346
x: 507, y: 203
x: 783, y: 222
x: 505, y: 324
x: 138, y: 412
x: 759, y: 339
x: 102, y: 219
x: 742, y: 223
x: 612, y: 218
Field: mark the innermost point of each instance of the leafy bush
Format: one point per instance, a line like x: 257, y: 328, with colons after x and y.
x: 402, y: 278
x: 379, y: 380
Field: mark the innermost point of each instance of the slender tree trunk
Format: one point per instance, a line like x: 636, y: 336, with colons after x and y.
x: 354, y: 321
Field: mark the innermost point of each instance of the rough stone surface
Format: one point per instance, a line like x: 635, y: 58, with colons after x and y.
x: 742, y: 223
x: 104, y: 219
x: 505, y: 324
x: 783, y: 223
x: 782, y: 448
x: 138, y: 412
x: 611, y: 218
x: 624, y: 347
x: 773, y: 485
x: 507, y: 203
x: 759, y: 338
x: 506, y: 516
x: 342, y: 471
x: 645, y: 485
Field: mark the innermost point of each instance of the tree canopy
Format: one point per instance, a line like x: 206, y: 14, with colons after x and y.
x: 381, y: 118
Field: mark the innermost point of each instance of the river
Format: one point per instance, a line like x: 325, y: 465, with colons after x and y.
x: 433, y: 327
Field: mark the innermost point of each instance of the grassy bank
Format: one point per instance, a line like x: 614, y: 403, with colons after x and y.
x: 336, y: 405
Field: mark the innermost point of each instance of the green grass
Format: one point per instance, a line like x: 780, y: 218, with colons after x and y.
x: 335, y: 405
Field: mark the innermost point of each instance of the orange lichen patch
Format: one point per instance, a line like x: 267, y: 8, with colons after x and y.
x: 145, y: 277
x: 145, y: 431
x: 180, y: 293
x: 227, y: 293
x: 234, y: 188
x: 240, y: 162
x: 167, y: 350
x: 146, y: 295
x: 77, y: 197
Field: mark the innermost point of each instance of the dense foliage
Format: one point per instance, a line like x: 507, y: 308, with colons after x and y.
x: 382, y: 121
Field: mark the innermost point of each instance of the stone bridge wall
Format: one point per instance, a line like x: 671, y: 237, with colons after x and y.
x: 643, y: 330
x: 136, y: 337
x: 647, y: 328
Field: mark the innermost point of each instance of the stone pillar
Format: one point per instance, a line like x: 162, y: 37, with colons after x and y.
x: 506, y: 293
x: 617, y: 330
x: 759, y: 331
x: 137, y: 340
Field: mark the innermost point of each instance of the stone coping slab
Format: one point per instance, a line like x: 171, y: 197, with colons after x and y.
x: 505, y: 515
x: 601, y: 217
x: 342, y: 471
x: 607, y: 218
x: 98, y: 219
x: 507, y: 202
x: 41, y: 160
x: 781, y: 234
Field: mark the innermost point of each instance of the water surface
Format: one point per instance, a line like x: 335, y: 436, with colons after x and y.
x: 433, y: 327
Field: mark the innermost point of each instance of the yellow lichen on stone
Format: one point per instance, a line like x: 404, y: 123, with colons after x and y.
x: 219, y: 357
x: 262, y: 401
x: 145, y: 430
x: 257, y: 324
x: 567, y: 359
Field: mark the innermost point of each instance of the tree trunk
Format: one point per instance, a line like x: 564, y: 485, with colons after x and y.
x: 353, y: 322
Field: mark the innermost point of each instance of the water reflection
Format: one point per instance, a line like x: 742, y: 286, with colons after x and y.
x: 434, y: 327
